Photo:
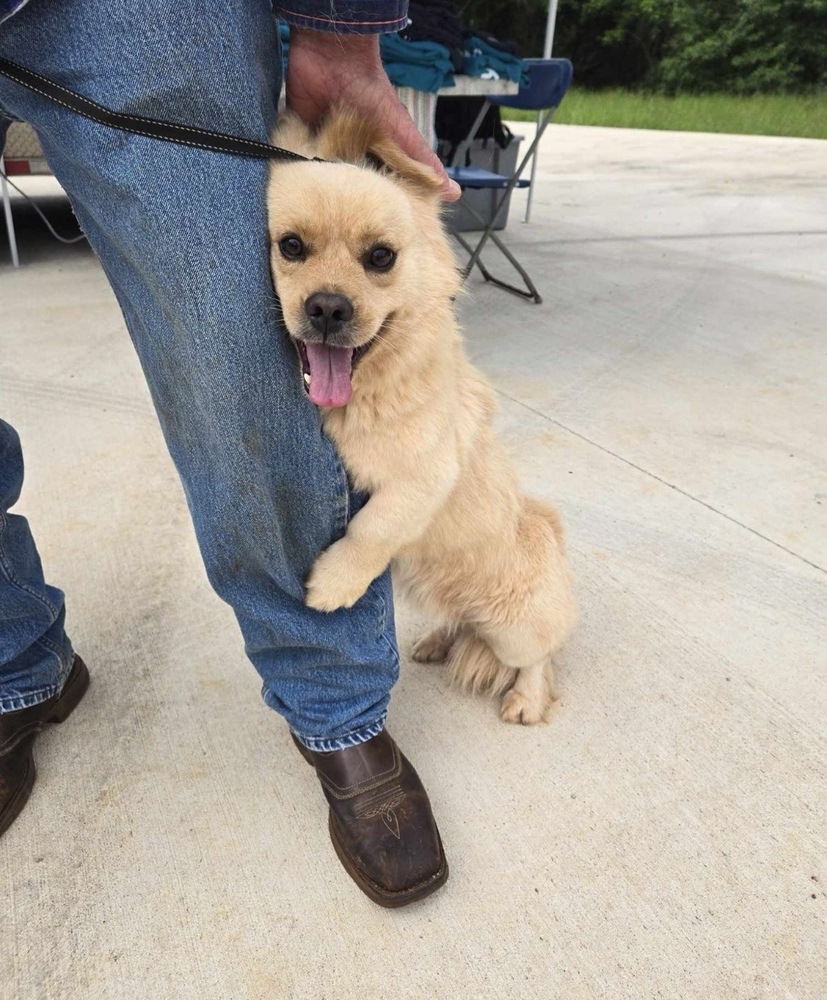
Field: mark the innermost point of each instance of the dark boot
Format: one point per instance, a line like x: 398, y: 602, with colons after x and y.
x: 18, y: 731
x: 380, y: 821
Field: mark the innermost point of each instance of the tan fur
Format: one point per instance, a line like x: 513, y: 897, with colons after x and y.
x: 417, y: 434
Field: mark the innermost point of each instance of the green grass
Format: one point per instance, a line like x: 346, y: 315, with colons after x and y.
x: 773, y: 114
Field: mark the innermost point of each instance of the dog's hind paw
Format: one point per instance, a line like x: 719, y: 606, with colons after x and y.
x: 434, y: 646
x: 516, y: 707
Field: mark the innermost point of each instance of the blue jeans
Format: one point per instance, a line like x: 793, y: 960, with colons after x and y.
x: 182, y: 236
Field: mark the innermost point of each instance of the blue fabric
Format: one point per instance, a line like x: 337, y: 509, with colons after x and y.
x: 477, y: 177
x: 35, y: 654
x: 346, y: 17
x: 182, y: 236
x: 548, y: 81
x: 284, y: 39
x: 479, y: 56
x: 357, y: 17
x: 9, y: 7
x: 424, y: 66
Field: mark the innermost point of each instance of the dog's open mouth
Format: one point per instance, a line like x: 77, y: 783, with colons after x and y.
x: 327, y: 371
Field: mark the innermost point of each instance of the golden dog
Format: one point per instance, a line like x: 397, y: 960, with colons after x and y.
x: 367, y: 279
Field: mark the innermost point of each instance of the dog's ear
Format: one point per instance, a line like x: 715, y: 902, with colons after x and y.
x: 292, y: 133
x: 421, y: 177
x: 347, y: 136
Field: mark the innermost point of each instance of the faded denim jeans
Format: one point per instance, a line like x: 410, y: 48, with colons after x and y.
x: 182, y: 236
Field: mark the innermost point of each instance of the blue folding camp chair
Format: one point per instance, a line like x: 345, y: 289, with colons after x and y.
x: 548, y: 81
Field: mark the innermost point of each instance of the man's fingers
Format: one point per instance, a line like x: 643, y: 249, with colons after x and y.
x: 450, y: 190
x: 318, y: 78
x: 410, y: 141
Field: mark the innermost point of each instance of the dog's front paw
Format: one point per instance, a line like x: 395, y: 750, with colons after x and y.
x: 336, y: 580
x: 516, y: 707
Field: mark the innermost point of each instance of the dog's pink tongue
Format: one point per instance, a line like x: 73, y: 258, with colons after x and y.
x: 329, y: 374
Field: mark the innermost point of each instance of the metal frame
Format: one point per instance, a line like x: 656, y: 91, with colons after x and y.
x: 548, y: 44
x: 530, y: 291
x: 12, y: 238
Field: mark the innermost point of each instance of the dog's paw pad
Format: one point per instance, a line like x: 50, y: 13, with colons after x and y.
x: 517, y: 708
x: 433, y: 647
x: 335, y: 580
x: 322, y: 600
x: 329, y: 591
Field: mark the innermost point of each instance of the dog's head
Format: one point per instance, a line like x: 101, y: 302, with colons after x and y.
x: 355, y: 243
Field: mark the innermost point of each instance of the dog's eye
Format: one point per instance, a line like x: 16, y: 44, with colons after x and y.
x: 291, y: 247
x: 380, y: 258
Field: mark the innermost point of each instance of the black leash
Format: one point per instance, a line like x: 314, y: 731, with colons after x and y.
x: 184, y: 135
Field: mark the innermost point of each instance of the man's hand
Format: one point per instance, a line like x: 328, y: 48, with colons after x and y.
x: 326, y: 69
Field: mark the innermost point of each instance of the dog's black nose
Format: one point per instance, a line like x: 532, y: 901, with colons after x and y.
x: 328, y: 313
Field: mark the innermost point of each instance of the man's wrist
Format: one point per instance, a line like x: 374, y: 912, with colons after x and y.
x: 363, y: 47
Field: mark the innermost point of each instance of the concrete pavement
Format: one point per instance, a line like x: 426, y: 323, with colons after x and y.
x: 664, y: 836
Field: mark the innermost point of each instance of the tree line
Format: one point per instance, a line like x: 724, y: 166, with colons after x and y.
x: 738, y: 46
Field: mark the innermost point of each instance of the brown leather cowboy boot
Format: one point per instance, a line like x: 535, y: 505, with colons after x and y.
x: 18, y: 731
x: 380, y: 821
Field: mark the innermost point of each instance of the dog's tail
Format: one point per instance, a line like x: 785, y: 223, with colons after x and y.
x: 473, y: 666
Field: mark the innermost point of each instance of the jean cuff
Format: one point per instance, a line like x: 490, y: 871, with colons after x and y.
x: 15, y: 703
x: 351, y: 17
x: 320, y: 744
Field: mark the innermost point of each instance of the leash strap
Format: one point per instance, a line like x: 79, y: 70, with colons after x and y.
x: 184, y: 135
